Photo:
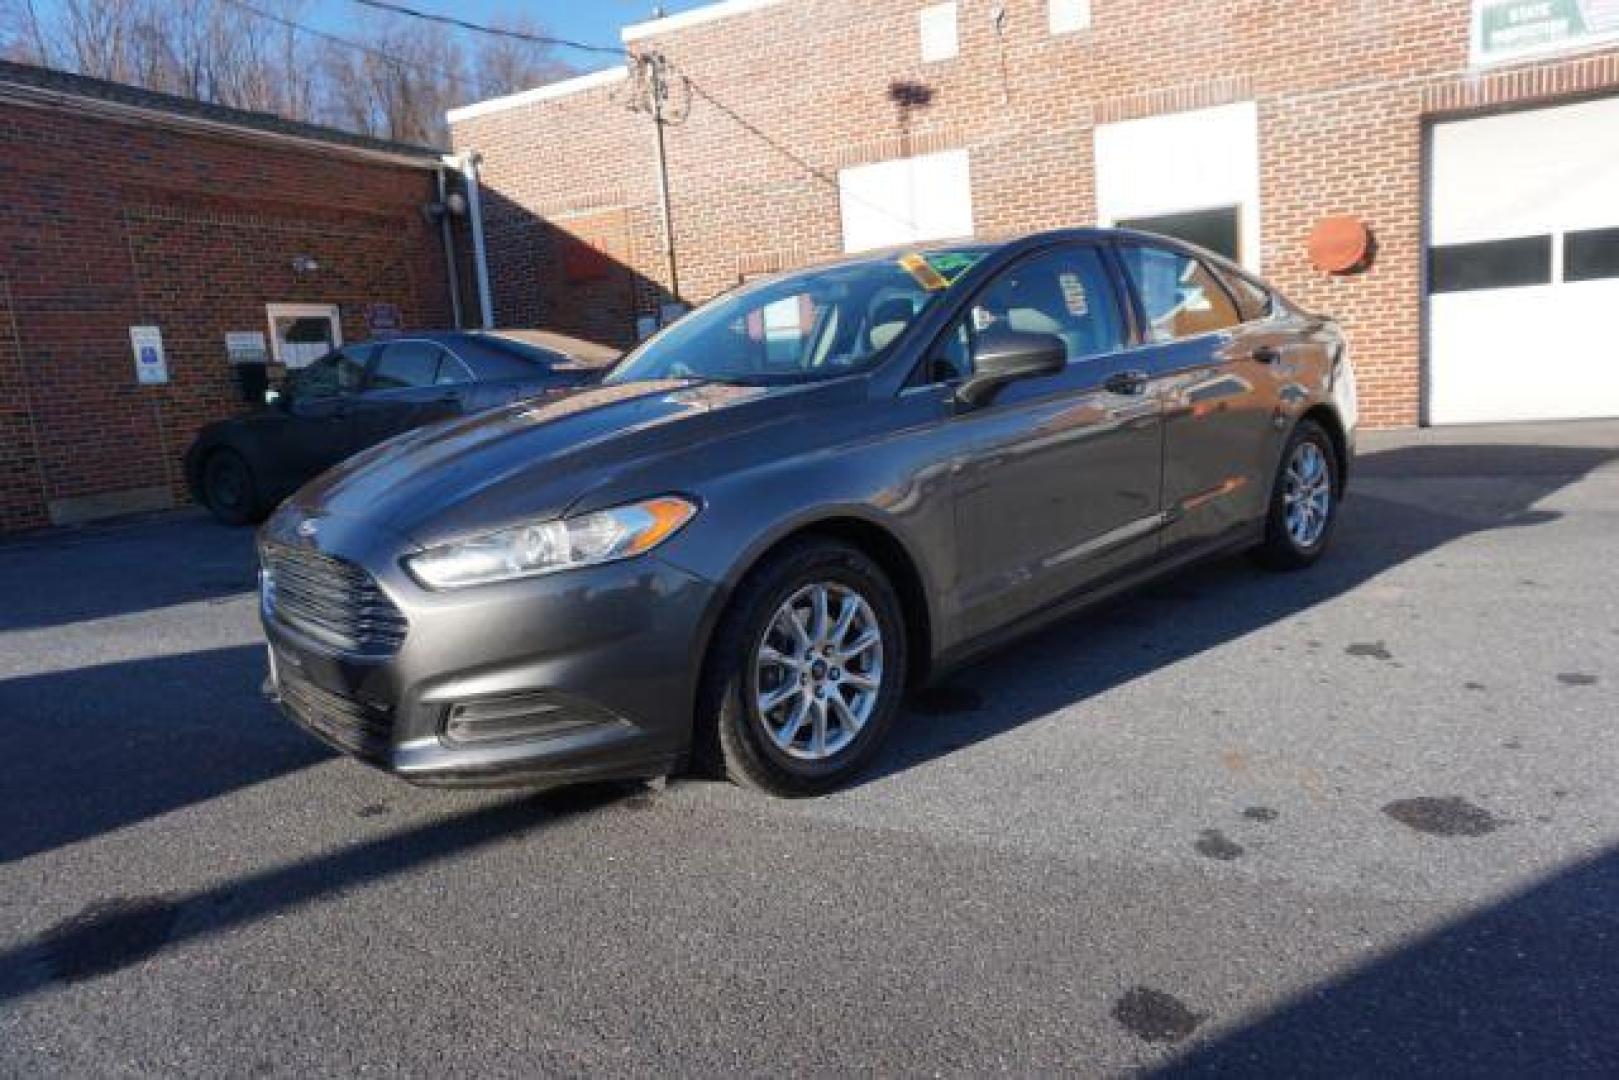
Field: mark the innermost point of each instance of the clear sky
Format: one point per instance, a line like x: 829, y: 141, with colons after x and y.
x: 593, y: 21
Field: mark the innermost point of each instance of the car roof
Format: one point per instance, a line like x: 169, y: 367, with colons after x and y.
x: 583, y: 353
x: 983, y: 245
x: 502, y: 349
x: 1020, y: 241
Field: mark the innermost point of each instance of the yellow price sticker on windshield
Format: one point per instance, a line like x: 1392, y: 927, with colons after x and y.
x: 924, y: 272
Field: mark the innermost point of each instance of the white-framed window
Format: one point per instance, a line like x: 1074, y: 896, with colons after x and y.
x: 303, y: 333
x: 1191, y: 174
x: 906, y: 201
x: 1069, y: 16
x: 937, y: 23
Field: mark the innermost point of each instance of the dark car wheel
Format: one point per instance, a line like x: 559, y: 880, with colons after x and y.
x: 228, y: 489
x: 1304, y: 500
x: 806, y: 671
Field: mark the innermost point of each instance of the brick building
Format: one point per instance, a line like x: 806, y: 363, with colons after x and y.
x: 121, y: 208
x: 1472, y: 138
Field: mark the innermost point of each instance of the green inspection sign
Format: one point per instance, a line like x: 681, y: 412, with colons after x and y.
x: 1506, y: 30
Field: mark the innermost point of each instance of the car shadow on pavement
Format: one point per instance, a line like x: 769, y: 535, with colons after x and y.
x: 1526, y: 987
x: 55, y: 577
x: 94, y: 749
x: 111, y: 936
x: 1205, y: 606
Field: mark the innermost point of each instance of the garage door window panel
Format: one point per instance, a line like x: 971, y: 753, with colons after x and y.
x: 1591, y: 255
x: 1180, y: 297
x: 1492, y: 264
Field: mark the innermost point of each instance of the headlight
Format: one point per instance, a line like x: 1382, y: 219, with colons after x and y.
x: 548, y: 546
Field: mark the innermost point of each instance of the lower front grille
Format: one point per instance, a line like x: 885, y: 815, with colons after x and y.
x: 361, y: 729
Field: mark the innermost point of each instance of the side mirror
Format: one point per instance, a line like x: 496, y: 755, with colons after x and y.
x: 1002, y: 356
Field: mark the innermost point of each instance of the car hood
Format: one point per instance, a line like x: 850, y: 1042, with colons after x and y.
x: 534, y: 459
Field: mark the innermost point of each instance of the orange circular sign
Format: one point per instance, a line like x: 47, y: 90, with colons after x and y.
x: 1339, y: 244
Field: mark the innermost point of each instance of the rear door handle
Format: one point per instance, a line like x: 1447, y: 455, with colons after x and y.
x: 1126, y: 383
x: 1267, y: 354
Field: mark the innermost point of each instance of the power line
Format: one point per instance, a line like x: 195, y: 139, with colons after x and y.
x: 547, y: 41
x: 479, y: 28
x: 754, y: 130
x: 398, y: 61
x: 817, y: 173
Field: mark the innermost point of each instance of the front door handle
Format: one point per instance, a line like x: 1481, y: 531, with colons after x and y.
x: 1267, y: 354
x: 1126, y: 383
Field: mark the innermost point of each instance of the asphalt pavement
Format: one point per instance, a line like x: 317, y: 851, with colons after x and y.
x: 1356, y: 821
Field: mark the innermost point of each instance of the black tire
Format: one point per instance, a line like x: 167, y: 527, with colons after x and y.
x: 228, y: 488
x: 1282, y: 547
x: 733, y: 736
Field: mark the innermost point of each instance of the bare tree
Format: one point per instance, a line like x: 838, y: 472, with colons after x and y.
x: 394, y: 81
x: 506, y: 65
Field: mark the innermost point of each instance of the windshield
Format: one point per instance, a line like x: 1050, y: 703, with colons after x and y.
x: 817, y: 324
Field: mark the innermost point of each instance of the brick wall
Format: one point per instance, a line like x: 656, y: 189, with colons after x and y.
x: 792, y: 92
x: 106, y: 223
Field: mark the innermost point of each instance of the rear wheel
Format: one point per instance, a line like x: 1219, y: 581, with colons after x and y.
x: 228, y: 489
x: 1304, y: 501
x: 807, y: 670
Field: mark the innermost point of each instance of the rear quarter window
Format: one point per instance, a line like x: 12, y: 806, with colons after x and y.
x: 1254, y: 301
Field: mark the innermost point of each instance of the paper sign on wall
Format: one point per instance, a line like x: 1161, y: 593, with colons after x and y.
x: 246, y: 347
x: 151, y: 367
x: 383, y: 319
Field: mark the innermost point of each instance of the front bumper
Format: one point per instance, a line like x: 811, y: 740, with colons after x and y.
x: 581, y: 675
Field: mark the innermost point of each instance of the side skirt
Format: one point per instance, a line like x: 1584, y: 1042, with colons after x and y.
x: 960, y: 655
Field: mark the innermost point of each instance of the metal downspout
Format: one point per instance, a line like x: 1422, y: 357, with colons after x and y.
x: 447, y: 237
x: 468, y: 164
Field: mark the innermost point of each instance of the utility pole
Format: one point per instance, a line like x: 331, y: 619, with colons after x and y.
x: 655, y: 76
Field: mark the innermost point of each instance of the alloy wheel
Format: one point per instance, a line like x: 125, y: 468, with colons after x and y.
x: 818, y: 671
x: 1307, y: 496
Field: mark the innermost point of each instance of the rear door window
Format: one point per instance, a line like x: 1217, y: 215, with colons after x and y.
x: 333, y: 375
x: 451, y: 370
x: 1180, y: 297
x: 406, y: 364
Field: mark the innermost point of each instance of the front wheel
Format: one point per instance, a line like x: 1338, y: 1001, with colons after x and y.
x: 1304, y: 501
x: 228, y: 488
x: 806, y: 671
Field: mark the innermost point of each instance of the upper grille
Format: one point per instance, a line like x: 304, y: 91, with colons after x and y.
x: 331, y: 600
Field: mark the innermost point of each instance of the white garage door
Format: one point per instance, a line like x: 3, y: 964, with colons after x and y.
x: 1523, y: 266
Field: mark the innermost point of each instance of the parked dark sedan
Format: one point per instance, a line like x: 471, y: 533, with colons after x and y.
x: 359, y: 395
x: 785, y: 508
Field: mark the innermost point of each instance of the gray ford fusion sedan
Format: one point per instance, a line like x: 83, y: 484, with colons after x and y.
x: 765, y: 523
